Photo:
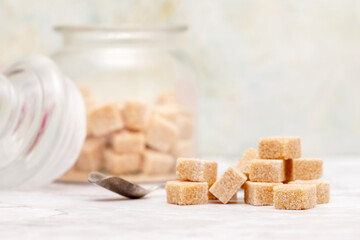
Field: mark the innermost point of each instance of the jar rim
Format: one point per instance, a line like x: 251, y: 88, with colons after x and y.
x: 134, y: 28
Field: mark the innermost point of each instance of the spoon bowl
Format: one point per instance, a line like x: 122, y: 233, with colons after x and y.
x: 120, y: 186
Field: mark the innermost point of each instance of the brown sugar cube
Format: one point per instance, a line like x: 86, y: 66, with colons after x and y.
x: 280, y: 148
x: 165, y: 98
x: 227, y: 185
x: 259, y: 193
x: 245, y: 161
x: 157, y: 163
x: 305, y: 169
x: 294, y: 196
x: 128, y: 142
x: 104, y: 119
x: 170, y: 112
x: 183, y: 148
x: 160, y: 133
x: 212, y: 197
x: 196, y: 170
x: 90, y: 158
x: 186, y: 193
x: 122, y: 163
x: 267, y: 170
x: 186, y: 126
x: 135, y: 114
x: 322, y: 189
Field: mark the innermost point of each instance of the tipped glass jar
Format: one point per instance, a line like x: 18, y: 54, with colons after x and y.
x: 42, y: 122
x: 140, y: 94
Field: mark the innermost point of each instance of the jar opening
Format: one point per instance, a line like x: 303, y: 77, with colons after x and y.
x: 124, y: 34
x: 122, y: 28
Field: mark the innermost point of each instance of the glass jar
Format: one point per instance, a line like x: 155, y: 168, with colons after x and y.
x: 144, y: 74
x: 42, y: 122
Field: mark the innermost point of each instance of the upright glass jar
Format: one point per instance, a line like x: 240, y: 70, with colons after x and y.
x: 144, y: 74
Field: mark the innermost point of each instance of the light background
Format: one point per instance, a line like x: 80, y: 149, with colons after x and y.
x: 268, y: 67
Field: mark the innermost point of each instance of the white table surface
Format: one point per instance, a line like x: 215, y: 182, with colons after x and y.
x: 84, y: 211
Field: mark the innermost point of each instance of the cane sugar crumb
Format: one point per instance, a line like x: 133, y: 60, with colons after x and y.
x: 196, y: 170
x: 267, y: 170
x: 280, y: 148
x: 259, y: 193
x: 227, y: 185
x: 322, y: 189
x: 187, y: 193
x: 294, y: 196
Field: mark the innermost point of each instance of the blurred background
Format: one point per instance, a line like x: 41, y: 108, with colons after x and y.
x: 266, y: 67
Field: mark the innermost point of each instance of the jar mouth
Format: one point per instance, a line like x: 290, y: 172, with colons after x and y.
x: 122, y: 28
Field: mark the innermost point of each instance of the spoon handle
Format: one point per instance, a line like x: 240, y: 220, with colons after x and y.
x: 153, y: 188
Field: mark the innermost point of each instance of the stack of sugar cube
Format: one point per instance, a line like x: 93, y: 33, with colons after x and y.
x: 197, y: 183
x: 274, y: 175
x: 194, y: 176
x: 135, y: 136
x: 279, y: 176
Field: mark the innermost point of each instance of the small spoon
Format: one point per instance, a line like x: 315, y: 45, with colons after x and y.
x: 121, y: 186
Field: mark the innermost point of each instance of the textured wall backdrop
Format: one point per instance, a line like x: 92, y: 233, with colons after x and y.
x: 268, y: 67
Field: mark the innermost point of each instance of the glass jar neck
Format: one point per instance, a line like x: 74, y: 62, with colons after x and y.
x: 98, y: 37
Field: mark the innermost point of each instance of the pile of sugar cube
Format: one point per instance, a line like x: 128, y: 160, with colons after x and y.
x: 275, y: 174
x: 135, y: 136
